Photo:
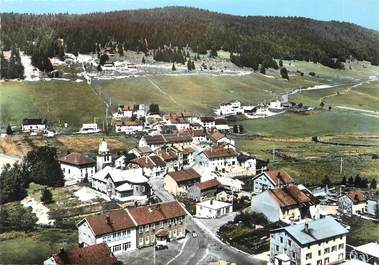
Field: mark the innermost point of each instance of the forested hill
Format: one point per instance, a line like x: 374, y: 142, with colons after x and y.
x: 277, y: 37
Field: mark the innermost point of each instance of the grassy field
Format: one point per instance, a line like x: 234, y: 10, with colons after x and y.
x: 34, y: 247
x: 197, y: 93
x: 361, y: 231
x: 309, y: 162
x: 58, y: 101
x: 325, y: 123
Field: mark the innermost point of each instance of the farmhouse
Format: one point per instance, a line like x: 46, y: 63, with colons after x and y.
x: 122, y: 185
x: 178, y: 182
x: 229, y: 108
x: 319, y: 242
x: 129, y: 111
x: 213, y: 209
x: 151, y: 165
x: 220, y: 138
x: 218, y: 158
x: 128, y: 127
x: 156, y: 141
x: 270, y: 180
x: 116, y: 228
x: 286, y: 204
x: 206, y: 189
x: 98, y: 254
x: 32, y: 125
x: 208, y: 122
x: 167, y: 218
x: 77, y: 167
x: 353, y: 202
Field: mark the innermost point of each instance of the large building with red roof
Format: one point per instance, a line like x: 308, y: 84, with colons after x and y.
x: 270, y: 180
x: 77, y: 167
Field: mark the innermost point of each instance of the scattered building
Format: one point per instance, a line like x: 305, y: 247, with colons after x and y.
x: 33, y: 125
x: 151, y: 165
x: 128, y: 111
x: 157, y: 141
x: 353, y: 202
x: 128, y: 127
x: 77, y: 167
x: 270, y: 180
x: 178, y: 182
x: 229, y: 108
x: 206, y: 189
x: 213, y: 209
x: 218, y: 158
x: 318, y: 242
x: 88, y: 128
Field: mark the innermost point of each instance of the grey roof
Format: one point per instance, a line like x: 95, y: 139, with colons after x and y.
x: 318, y: 230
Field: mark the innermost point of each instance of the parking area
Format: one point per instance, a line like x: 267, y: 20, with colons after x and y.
x: 214, y: 224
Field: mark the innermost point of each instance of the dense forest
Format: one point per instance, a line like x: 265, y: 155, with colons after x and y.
x: 252, y: 40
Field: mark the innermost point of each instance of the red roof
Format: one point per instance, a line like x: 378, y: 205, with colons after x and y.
x: 148, y: 161
x: 113, y: 221
x: 219, y: 152
x: 184, y: 175
x: 77, y: 159
x: 279, y: 177
x: 209, y: 184
x: 93, y: 255
x: 292, y: 196
x: 156, y: 212
x: 217, y: 136
x: 356, y: 196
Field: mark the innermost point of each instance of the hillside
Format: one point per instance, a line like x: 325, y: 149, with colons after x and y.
x: 262, y: 37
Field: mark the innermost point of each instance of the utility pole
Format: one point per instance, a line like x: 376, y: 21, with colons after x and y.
x: 341, y: 165
x: 273, y: 152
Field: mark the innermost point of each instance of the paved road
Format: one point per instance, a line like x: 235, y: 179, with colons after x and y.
x: 205, y: 247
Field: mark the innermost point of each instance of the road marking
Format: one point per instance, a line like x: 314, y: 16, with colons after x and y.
x: 180, y: 253
x: 205, y: 255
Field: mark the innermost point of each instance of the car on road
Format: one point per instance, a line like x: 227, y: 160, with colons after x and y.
x: 194, y: 234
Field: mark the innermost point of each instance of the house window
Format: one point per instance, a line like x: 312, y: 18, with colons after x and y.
x: 147, y: 240
x: 334, y: 248
x: 126, y: 246
x: 141, y: 241
x: 340, y: 246
x: 128, y: 232
x: 277, y: 248
x: 327, y: 250
x: 340, y: 256
x: 326, y: 261
x: 289, y: 242
x: 117, y: 248
x: 319, y: 262
x: 140, y: 229
x: 319, y: 252
x: 146, y: 227
x: 294, y: 255
x: 308, y: 256
x: 152, y: 238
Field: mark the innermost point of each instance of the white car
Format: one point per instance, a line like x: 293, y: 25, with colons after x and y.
x: 48, y: 133
x: 194, y: 234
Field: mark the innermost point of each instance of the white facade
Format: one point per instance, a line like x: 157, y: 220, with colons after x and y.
x: 104, y: 157
x: 78, y: 173
x: 275, y: 104
x: 230, y: 108
x: 129, y: 128
x: 218, y: 163
x: 118, y: 242
x: 213, y: 209
x: 33, y: 127
x: 88, y: 128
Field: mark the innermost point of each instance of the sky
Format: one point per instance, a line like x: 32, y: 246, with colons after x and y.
x: 361, y: 12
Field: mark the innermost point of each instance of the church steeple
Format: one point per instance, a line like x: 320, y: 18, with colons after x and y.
x: 104, y: 156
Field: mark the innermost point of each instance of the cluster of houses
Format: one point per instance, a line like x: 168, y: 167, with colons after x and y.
x: 234, y: 107
x: 198, y: 161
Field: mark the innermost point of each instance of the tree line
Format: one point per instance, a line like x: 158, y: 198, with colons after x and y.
x: 252, y: 40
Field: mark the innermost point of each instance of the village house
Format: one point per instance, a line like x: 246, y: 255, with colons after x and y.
x: 287, y: 204
x: 171, y: 156
x: 353, y: 202
x: 206, y: 189
x: 221, y: 138
x: 270, y: 180
x: 115, y: 228
x: 141, y: 151
x: 229, y: 108
x: 180, y: 120
x: 98, y: 254
x: 248, y: 162
x: 151, y: 165
x: 373, y: 207
x: 33, y: 125
x: 156, y: 141
x: 122, y: 185
x: 213, y: 209
x: 222, y: 125
x: 218, y: 158
x: 162, y: 219
x: 77, y: 167
x: 208, y: 122
x: 313, y: 242
x: 199, y: 136
x: 178, y: 182
x: 128, y: 127
x: 129, y: 111
x: 367, y: 253
x: 230, y: 184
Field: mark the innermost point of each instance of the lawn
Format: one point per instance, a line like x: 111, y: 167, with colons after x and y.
x: 58, y: 101
x: 34, y: 247
x: 325, y: 123
x: 196, y: 93
x: 361, y: 231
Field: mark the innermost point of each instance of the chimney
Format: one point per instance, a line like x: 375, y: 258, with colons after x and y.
x: 108, y: 219
x: 306, y: 227
x: 211, y: 202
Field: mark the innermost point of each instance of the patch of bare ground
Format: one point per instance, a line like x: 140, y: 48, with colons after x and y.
x: 81, y: 143
x: 19, y: 145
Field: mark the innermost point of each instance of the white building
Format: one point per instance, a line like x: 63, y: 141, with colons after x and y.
x: 128, y: 127
x: 229, y: 108
x: 33, y: 125
x: 122, y: 185
x: 287, y: 204
x: 180, y: 141
x: 213, y: 209
x: 275, y: 104
x: 116, y: 228
x: 317, y: 242
x: 77, y: 167
x: 218, y: 158
x: 88, y: 128
x: 104, y: 156
x: 221, y: 138
x: 353, y: 202
x: 270, y: 180
x: 128, y: 111
x: 151, y: 165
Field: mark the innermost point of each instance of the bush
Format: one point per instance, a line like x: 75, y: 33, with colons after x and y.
x: 17, y: 217
x: 47, y: 196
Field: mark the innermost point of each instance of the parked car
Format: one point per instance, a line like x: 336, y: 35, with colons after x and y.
x: 194, y: 234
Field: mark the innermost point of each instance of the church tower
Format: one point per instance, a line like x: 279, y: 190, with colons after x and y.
x: 104, y: 156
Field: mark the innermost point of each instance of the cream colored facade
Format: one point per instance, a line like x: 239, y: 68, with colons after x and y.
x: 172, y: 186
